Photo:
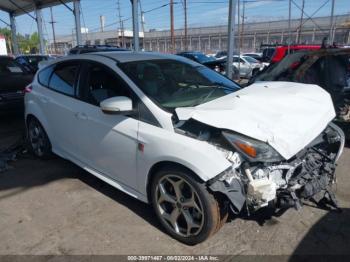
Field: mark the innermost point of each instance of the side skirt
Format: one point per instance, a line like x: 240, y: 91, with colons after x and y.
x: 116, y: 184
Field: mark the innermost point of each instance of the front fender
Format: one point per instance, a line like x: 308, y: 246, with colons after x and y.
x: 162, y: 145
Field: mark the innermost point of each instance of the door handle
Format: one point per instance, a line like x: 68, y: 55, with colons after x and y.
x: 81, y: 116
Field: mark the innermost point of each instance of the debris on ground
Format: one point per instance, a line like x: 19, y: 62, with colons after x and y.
x: 344, y: 113
x: 12, y: 153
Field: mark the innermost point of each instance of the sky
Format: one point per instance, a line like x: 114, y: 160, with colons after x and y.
x: 157, y: 16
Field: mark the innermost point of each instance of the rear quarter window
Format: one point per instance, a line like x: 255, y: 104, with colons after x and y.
x: 63, y: 78
x: 44, y: 76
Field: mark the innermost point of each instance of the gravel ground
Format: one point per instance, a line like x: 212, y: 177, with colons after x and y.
x: 54, y: 207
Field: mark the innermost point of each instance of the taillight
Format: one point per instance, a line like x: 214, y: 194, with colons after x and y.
x: 28, y: 89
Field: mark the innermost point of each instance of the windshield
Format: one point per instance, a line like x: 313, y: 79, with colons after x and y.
x: 250, y: 59
x: 172, y: 84
x: 202, y: 58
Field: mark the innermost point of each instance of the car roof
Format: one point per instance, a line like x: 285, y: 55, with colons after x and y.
x: 127, y: 56
x: 6, y: 57
x: 189, y: 52
x: 27, y: 55
x: 325, y: 51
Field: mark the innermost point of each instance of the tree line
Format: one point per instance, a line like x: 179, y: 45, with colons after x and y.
x: 27, y: 44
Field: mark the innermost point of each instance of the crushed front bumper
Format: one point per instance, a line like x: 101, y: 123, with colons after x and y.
x: 308, y: 175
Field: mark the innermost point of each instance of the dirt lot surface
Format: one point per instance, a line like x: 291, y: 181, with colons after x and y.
x: 54, y: 207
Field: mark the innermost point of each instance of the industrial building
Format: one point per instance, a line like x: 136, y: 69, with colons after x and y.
x: 214, y: 38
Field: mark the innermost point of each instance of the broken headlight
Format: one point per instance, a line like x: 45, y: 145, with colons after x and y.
x: 252, y: 149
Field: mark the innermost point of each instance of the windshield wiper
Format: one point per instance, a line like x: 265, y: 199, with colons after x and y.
x: 216, y: 87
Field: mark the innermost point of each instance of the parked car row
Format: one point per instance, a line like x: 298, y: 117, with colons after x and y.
x: 244, y: 66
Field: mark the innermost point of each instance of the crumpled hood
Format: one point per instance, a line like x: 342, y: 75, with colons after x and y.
x: 288, y: 116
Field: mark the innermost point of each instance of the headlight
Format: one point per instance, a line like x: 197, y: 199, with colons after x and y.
x: 254, y: 150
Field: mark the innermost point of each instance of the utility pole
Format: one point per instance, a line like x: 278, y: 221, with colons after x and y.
x: 239, y: 25
x: 331, y: 25
x: 52, y: 22
x: 231, y: 37
x: 172, y: 38
x: 135, y: 25
x: 239, y: 38
x: 289, y: 25
x: 76, y: 11
x: 121, y: 25
x: 185, y: 11
x: 142, y: 19
x: 301, y: 22
x: 242, y: 32
x: 143, y: 27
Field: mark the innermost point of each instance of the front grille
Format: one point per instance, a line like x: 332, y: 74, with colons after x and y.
x: 12, y: 95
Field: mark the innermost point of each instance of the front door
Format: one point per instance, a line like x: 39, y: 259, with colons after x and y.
x: 107, y: 143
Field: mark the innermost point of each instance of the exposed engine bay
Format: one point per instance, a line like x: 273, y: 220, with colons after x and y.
x: 260, y: 177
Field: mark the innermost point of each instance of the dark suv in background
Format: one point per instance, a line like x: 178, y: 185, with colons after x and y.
x: 82, y: 49
x: 31, y: 62
x: 14, y: 78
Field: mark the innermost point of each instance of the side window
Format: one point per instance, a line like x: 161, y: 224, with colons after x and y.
x: 102, y: 83
x: 44, y: 76
x: 235, y: 59
x: 63, y: 78
x: 146, y: 116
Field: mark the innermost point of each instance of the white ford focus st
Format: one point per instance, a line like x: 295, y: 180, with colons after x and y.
x: 185, y: 139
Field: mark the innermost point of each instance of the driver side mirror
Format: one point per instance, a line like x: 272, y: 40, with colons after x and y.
x: 116, y: 105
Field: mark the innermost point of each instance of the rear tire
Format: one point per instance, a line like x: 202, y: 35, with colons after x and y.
x: 38, y: 141
x: 184, y: 207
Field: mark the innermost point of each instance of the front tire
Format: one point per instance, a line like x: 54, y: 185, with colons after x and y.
x: 184, y: 207
x: 38, y: 140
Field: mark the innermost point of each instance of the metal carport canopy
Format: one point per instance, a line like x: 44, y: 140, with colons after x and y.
x: 21, y: 7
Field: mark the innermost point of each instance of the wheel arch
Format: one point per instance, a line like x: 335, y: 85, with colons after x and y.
x: 164, y: 164
x: 33, y: 111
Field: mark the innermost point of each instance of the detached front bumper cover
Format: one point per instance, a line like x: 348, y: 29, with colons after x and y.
x: 231, y: 186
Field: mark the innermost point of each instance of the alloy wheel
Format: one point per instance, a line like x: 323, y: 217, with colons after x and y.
x: 37, y: 138
x: 179, y: 206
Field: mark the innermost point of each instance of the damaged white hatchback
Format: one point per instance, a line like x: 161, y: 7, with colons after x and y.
x: 184, y: 138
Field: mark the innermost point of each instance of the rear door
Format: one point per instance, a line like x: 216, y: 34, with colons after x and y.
x: 58, y: 102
